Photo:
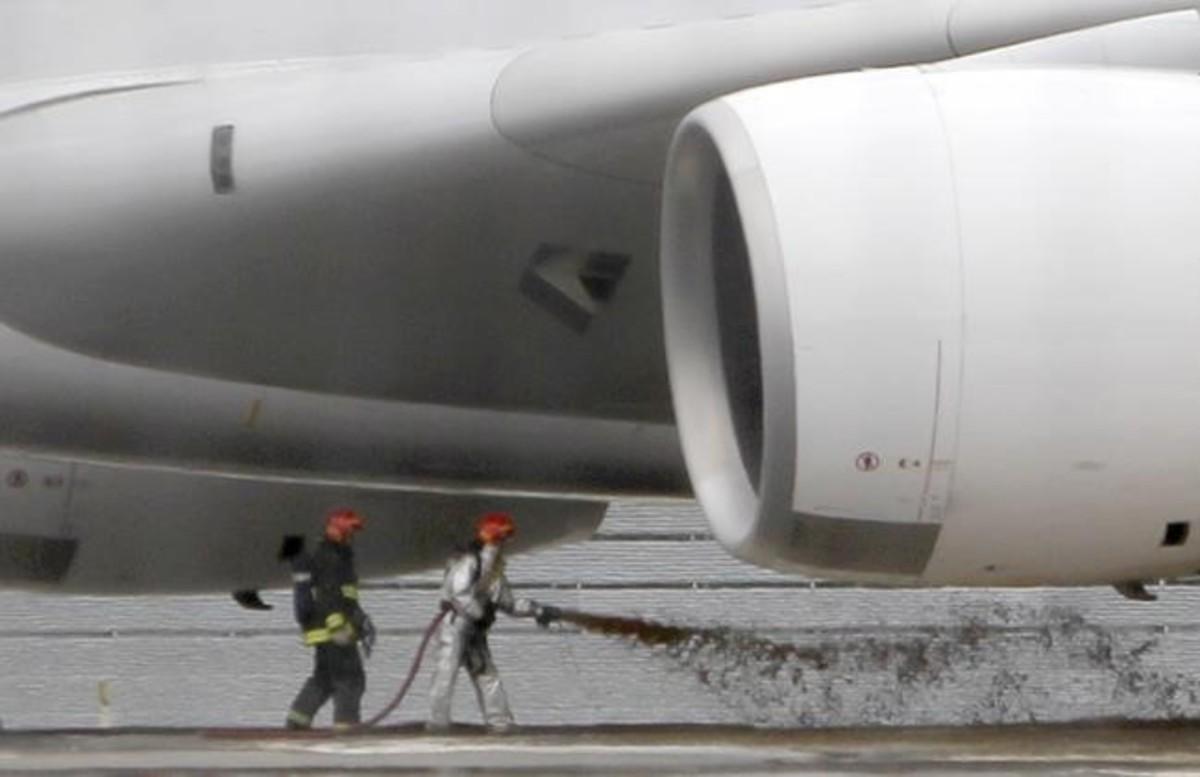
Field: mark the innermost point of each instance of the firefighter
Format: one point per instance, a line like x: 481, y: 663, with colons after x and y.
x: 325, y: 593
x: 473, y: 590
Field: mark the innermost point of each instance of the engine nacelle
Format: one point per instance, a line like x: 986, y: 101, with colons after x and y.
x: 942, y: 327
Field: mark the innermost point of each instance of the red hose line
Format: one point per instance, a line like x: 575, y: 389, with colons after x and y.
x: 412, y: 674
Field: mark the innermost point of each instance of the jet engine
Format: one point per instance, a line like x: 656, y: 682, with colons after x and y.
x: 942, y: 327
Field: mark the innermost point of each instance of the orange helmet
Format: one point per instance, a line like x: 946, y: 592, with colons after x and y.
x: 495, y: 527
x: 341, y: 524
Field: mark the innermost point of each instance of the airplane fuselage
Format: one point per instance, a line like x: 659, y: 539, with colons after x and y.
x: 262, y: 259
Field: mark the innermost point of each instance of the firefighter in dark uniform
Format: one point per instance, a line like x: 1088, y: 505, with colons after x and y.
x: 325, y: 590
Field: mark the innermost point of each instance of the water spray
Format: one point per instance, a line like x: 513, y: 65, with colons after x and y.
x: 647, y: 632
x: 987, y: 667
x: 651, y: 633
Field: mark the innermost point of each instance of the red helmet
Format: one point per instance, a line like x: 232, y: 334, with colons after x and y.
x: 495, y: 527
x: 340, y: 525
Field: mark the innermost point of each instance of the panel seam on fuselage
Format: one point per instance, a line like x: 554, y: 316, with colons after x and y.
x: 962, y: 290
x: 89, y: 94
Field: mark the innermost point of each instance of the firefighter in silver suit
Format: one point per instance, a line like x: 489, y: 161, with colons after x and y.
x: 473, y: 590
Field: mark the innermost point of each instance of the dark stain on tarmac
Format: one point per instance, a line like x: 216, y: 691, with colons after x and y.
x: 990, y: 667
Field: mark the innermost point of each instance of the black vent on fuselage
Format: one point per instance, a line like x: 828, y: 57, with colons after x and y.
x: 1176, y: 533
x: 573, y: 286
x: 220, y: 159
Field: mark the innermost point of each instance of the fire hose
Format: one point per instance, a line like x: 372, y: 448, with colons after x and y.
x: 412, y: 675
x: 648, y: 632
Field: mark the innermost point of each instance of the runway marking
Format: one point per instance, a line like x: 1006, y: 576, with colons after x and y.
x: 432, y: 747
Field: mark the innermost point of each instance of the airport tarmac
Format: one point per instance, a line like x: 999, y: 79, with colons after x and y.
x: 1078, y: 749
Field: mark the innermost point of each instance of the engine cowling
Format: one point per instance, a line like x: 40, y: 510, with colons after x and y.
x: 942, y: 326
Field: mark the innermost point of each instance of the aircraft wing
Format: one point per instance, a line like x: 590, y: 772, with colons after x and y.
x: 610, y: 103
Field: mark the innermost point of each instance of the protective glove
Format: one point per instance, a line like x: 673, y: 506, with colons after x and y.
x: 547, y: 614
x: 367, y: 635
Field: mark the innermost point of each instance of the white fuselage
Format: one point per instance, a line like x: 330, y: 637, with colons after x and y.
x: 261, y: 259
x: 343, y: 326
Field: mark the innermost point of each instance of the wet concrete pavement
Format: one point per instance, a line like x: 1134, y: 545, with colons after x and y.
x: 1078, y: 749
x: 736, y: 645
x: 850, y: 681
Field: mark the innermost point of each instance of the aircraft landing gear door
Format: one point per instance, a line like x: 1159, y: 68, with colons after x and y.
x: 870, y: 453
x: 34, y: 544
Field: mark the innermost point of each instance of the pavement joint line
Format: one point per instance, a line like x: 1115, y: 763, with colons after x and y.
x: 432, y: 748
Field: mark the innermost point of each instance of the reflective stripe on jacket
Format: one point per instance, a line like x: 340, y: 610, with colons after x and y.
x: 332, y: 589
x: 336, y: 627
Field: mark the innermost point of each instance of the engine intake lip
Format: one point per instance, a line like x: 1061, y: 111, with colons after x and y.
x: 730, y: 369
